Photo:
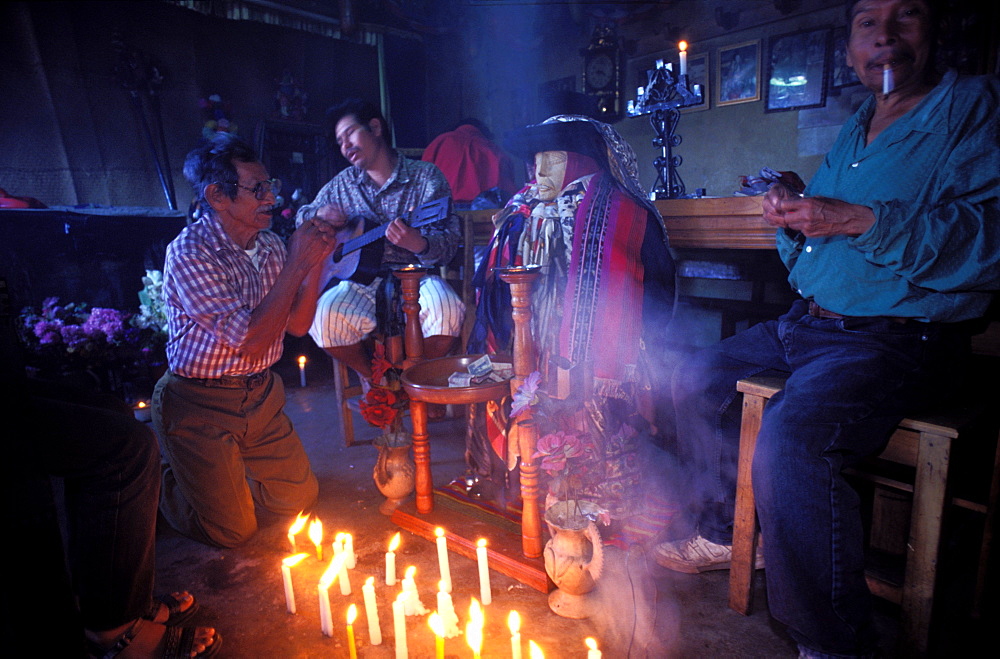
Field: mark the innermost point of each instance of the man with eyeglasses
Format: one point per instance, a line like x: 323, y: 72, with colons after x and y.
x: 231, y: 291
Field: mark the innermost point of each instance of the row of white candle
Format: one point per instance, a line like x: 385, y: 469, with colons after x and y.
x: 444, y: 621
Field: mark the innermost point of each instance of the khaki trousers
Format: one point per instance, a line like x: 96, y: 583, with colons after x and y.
x: 227, y: 447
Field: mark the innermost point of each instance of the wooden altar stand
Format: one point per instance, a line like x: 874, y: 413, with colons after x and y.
x: 512, y: 549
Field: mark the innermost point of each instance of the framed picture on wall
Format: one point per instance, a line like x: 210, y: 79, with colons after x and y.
x: 738, y: 79
x: 796, y: 71
x: 698, y: 74
x: 841, y: 75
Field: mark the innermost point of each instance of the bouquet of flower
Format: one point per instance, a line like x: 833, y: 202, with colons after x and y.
x: 384, y: 403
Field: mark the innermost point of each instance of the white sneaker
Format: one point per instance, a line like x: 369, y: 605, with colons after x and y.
x: 696, y: 555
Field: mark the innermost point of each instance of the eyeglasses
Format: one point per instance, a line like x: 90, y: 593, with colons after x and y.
x: 261, y: 190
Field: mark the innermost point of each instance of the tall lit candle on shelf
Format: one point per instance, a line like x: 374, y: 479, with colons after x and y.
x: 302, y: 370
x: 316, y: 535
x: 293, y: 530
x: 592, y: 651
x: 535, y: 652
x: 485, y: 592
x: 442, y: 545
x: 682, y: 47
x: 286, y: 579
x: 325, y: 614
x: 435, y: 623
x: 514, y: 623
x: 351, y: 560
x: 399, y: 625
x: 352, y: 614
x: 371, y: 610
x: 390, y: 561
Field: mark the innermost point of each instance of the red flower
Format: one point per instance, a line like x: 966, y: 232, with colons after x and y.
x: 377, y: 407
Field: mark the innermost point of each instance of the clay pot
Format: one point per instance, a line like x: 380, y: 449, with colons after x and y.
x: 574, y: 556
x: 394, y: 472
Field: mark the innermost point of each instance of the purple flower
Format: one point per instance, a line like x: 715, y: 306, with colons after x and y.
x: 107, y: 322
x: 48, y: 331
x: 526, y: 394
x: 73, y: 336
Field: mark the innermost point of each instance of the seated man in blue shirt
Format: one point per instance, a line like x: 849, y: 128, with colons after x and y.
x: 895, y: 249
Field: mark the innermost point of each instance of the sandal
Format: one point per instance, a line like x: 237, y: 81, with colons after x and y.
x: 177, y: 643
x: 175, y: 616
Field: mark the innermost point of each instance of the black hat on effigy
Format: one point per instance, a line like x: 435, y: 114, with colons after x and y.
x: 577, y: 136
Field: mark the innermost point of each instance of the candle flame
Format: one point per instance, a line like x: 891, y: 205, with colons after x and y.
x: 352, y: 614
x: 141, y: 404
x: 302, y: 360
x: 481, y: 542
x: 682, y: 46
x: 316, y: 531
x: 394, y: 543
x: 591, y: 643
x: 370, y: 581
x: 474, y: 636
x: 436, y: 624
x: 410, y: 571
x: 514, y: 622
x: 439, y: 532
x: 331, y: 573
x: 475, y: 613
x: 441, y: 585
x: 535, y: 652
x: 298, y: 524
x: 293, y: 560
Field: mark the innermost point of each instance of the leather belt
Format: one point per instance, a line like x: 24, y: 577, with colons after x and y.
x: 817, y: 311
x: 251, y: 381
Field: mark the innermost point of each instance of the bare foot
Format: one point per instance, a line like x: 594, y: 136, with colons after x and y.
x: 147, y: 639
x: 163, y: 612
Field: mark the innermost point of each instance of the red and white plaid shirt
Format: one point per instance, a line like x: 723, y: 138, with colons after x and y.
x: 211, y: 286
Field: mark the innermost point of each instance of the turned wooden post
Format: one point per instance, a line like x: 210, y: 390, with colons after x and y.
x: 525, y: 361
x: 413, y: 337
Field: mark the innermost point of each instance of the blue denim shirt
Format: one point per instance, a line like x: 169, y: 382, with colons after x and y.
x: 932, y: 179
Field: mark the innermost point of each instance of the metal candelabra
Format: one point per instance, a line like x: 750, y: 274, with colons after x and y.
x: 661, y: 99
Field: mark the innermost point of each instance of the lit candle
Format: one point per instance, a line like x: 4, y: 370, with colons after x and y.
x: 535, y: 652
x: 342, y: 576
x: 438, y: 627
x: 442, y: 545
x: 682, y: 47
x: 325, y: 615
x: 413, y: 604
x: 485, y: 592
x: 286, y: 578
x: 514, y: 623
x: 887, y: 83
x: 293, y: 530
x: 352, y: 613
x: 592, y: 652
x: 371, y: 610
x: 302, y: 370
x: 351, y: 559
x: 316, y: 535
x: 474, y: 629
x: 446, y: 609
x: 399, y: 625
x: 390, y: 561
x: 142, y: 411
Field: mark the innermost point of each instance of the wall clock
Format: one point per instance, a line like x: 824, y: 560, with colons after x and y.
x: 602, y: 73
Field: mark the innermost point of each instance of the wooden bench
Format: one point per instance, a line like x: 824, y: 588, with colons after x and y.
x: 924, y: 443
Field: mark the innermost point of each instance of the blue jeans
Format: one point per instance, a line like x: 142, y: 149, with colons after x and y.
x: 850, y: 382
